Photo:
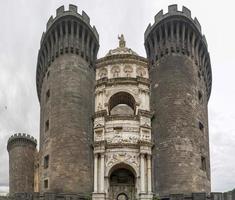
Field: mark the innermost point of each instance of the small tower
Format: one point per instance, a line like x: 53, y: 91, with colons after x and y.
x: 122, y: 127
x: 65, y: 84
x: 180, y: 76
x: 22, y: 150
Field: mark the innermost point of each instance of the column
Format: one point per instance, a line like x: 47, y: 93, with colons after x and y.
x: 142, y: 173
x: 149, y: 174
x: 95, y: 173
x: 102, y: 173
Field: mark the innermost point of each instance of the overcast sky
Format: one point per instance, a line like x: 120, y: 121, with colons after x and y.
x: 23, y: 21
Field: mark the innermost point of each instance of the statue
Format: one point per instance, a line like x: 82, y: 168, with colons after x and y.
x: 122, y: 42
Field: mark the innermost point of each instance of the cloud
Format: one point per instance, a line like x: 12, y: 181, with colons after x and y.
x: 222, y: 140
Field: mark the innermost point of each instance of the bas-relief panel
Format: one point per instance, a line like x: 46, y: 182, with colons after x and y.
x: 114, y: 71
x: 98, y: 122
x: 145, y: 121
x: 130, y: 158
x: 122, y: 138
x: 145, y: 135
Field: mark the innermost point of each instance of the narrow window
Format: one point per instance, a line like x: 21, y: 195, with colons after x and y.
x: 46, y: 161
x: 46, y: 183
x: 47, y: 125
x: 47, y: 95
x: 201, y: 126
x: 200, y: 96
x: 203, y: 163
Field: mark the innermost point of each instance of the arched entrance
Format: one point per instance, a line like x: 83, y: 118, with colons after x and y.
x: 122, y: 185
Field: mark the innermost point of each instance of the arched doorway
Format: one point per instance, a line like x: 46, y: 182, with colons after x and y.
x: 122, y: 185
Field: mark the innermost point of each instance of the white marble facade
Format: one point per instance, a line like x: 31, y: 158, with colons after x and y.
x: 122, y: 140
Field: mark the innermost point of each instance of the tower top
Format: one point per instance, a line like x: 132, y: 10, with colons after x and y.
x: 67, y: 25
x: 176, y: 23
x: 19, y: 139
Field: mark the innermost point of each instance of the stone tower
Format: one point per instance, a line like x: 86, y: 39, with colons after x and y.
x: 180, y: 76
x: 65, y: 84
x: 122, y: 127
x: 22, y: 150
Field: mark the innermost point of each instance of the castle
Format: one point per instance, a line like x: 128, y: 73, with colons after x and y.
x: 123, y: 126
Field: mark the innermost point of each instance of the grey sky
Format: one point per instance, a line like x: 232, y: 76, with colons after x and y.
x: 23, y: 21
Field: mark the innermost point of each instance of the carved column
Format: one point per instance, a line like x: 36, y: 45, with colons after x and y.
x: 142, y: 173
x: 102, y: 173
x: 95, y: 173
x: 149, y: 174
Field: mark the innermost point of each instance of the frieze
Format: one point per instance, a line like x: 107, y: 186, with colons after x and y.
x: 114, y: 158
x: 124, y: 128
x: 122, y: 139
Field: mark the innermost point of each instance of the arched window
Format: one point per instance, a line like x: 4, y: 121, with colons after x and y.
x: 122, y: 103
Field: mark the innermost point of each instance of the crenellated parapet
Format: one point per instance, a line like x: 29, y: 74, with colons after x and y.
x: 19, y: 139
x: 176, y: 32
x: 66, y: 33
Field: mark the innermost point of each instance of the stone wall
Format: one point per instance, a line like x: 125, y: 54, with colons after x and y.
x: 22, y: 150
x: 65, y: 83
x: 180, y: 76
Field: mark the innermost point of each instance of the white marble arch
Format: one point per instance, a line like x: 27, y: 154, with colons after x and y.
x: 114, y: 91
x: 122, y: 164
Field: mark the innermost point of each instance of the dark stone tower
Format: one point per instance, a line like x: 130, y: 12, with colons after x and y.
x: 22, y: 150
x: 65, y: 85
x: 180, y: 74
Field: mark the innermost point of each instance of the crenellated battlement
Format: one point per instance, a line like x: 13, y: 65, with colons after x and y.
x: 67, y: 33
x: 61, y: 12
x: 173, y: 11
x: 21, y: 138
x: 176, y: 32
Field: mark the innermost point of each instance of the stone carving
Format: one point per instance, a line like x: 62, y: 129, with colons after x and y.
x: 128, y: 70
x: 131, y: 129
x: 122, y: 42
x: 98, y: 122
x: 122, y: 139
x: 103, y: 73
x: 140, y: 71
x: 122, y: 157
x: 146, y: 122
x: 146, y: 135
x: 99, y: 107
x: 115, y: 71
x: 98, y: 135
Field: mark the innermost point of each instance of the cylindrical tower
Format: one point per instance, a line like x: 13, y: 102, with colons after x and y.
x: 65, y: 85
x: 180, y: 75
x: 22, y: 150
